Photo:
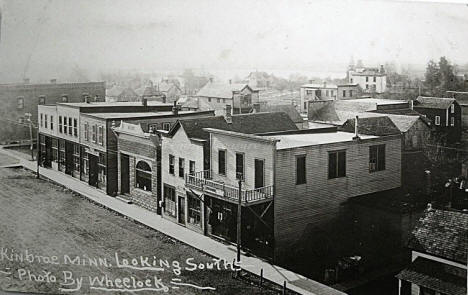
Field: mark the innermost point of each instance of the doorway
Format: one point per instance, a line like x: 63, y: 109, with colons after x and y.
x: 68, y: 157
x: 181, y: 206
x: 124, y: 174
x: 93, y: 170
x: 259, y: 173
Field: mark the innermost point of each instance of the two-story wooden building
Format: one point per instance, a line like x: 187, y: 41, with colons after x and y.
x: 236, y: 98
x: 292, y: 182
x: 186, y: 152
x: 445, y: 116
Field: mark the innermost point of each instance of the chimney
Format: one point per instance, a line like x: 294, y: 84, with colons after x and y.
x: 356, y: 129
x: 53, y: 81
x: 228, y: 116
x: 175, y: 109
x: 230, y: 81
x: 144, y: 102
x: 26, y: 81
x: 211, y: 79
x: 411, y: 106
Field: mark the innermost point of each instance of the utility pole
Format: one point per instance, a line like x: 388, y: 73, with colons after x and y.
x: 28, y: 115
x: 239, y: 220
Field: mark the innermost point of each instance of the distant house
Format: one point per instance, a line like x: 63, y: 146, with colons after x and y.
x: 313, y: 91
x: 259, y: 80
x: 349, y: 91
x: 439, y: 247
x: 127, y: 94
x: 462, y: 99
x: 371, y: 80
x: 113, y: 93
x: 169, y: 89
x: 223, y: 97
x: 445, y: 115
x: 290, y: 110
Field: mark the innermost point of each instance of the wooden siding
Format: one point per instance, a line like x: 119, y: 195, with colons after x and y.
x: 301, y: 208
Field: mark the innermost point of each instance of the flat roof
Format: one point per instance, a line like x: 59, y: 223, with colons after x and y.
x: 379, y: 101
x: 112, y: 104
x: 127, y: 115
x: 300, y: 140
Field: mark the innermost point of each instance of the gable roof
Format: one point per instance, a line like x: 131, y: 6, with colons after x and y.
x: 222, y: 90
x: 379, y: 126
x: 434, y: 102
x: 442, y: 233
x: 243, y: 123
x: 289, y: 109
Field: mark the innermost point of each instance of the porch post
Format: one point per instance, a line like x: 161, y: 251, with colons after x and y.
x: 239, y: 220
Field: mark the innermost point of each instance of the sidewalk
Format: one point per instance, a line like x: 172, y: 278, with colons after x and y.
x: 205, y: 244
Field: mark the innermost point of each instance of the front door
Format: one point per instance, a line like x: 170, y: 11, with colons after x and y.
x: 181, y: 206
x: 93, y: 170
x: 69, y: 157
x: 124, y: 174
x: 48, y: 152
x: 259, y: 173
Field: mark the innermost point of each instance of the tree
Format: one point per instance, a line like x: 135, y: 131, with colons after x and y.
x: 441, y: 77
x: 432, y: 76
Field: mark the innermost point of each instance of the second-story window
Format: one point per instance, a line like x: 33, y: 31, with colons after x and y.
x: 46, y: 123
x: 51, y: 122
x: 437, y: 120
x: 222, y: 162
x: 367, y: 79
x: 344, y: 93
x: 171, y: 164
x: 375, y: 79
x: 41, y: 122
x: 60, y: 124
x: 86, y: 131
x: 181, y: 167
x: 65, y: 124
x: 167, y: 126
x: 75, y: 127
x: 336, y: 164
x: 301, y: 169
x: 239, y: 165
x: 377, y: 158
x: 100, y: 135
x: 70, y: 125
x: 94, y: 134
x: 192, y: 167
x: 452, y: 108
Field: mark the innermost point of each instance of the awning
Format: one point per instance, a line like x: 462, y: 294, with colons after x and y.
x: 434, y: 275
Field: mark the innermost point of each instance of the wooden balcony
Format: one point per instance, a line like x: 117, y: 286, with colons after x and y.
x: 202, y: 181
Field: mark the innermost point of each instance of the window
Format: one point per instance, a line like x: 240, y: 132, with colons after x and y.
x: 308, y: 92
x: 64, y: 98
x: 194, y: 206
x: 218, y: 100
x: 60, y: 124
x: 70, y: 125
x: 452, y: 121
x: 375, y: 79
x: 367, y: 86
x: 153, y: 127
x: 350, y: 93
x: 336, y: 164
x: 305, y: 105
x: 224, y: 100
x: 102, y: 171
x: 209, y: 99
x: 351, y: 80
x: 326, y: 93
x: 75, y: 127
x: 437, y: 120
x: 143, y: 176
x: 41, y: 122
x: 171, y: 164
x: 65, y: 124
x: 84, y: 163
x: 42, y: 99
x: 54, y: 150
x: 344, y: 93
x: 367, y: 79
x: 51, y: 122
x: 240, y: 166
x: 46, y: 124
x: 377, y: 158
x: 452, y: 108
x: 181, y: 167
x: 222, y: 162
x: 166, y: 126
x: 76, y: 157
x: 86, y: 131
x: 301, y: 169
x: 169, y: 201
x: 101, y: 135
x: 94, y: 134
x: 191, y: 167
x: 20, y: 102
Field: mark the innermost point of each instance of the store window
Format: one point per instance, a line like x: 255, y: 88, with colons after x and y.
x: 143, y: 176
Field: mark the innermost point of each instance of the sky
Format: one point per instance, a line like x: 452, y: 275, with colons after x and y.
x: 45, y: 39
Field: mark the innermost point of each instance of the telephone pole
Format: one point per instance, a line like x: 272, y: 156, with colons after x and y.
x: 28, y: 115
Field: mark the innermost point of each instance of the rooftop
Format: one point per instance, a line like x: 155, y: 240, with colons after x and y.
x: 285, y: 108
x: 434, y: 102
x: 112, y: 104
x: 322, y: 85
x: 380, y: 126
x: 222, y: 90
x: 442, y: 233
x: 288, y: 141
x: 126, y: 115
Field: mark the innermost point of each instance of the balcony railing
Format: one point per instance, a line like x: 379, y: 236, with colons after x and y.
x: 202, y: 180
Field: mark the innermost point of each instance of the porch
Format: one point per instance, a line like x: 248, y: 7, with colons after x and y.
x: 203, y: 182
